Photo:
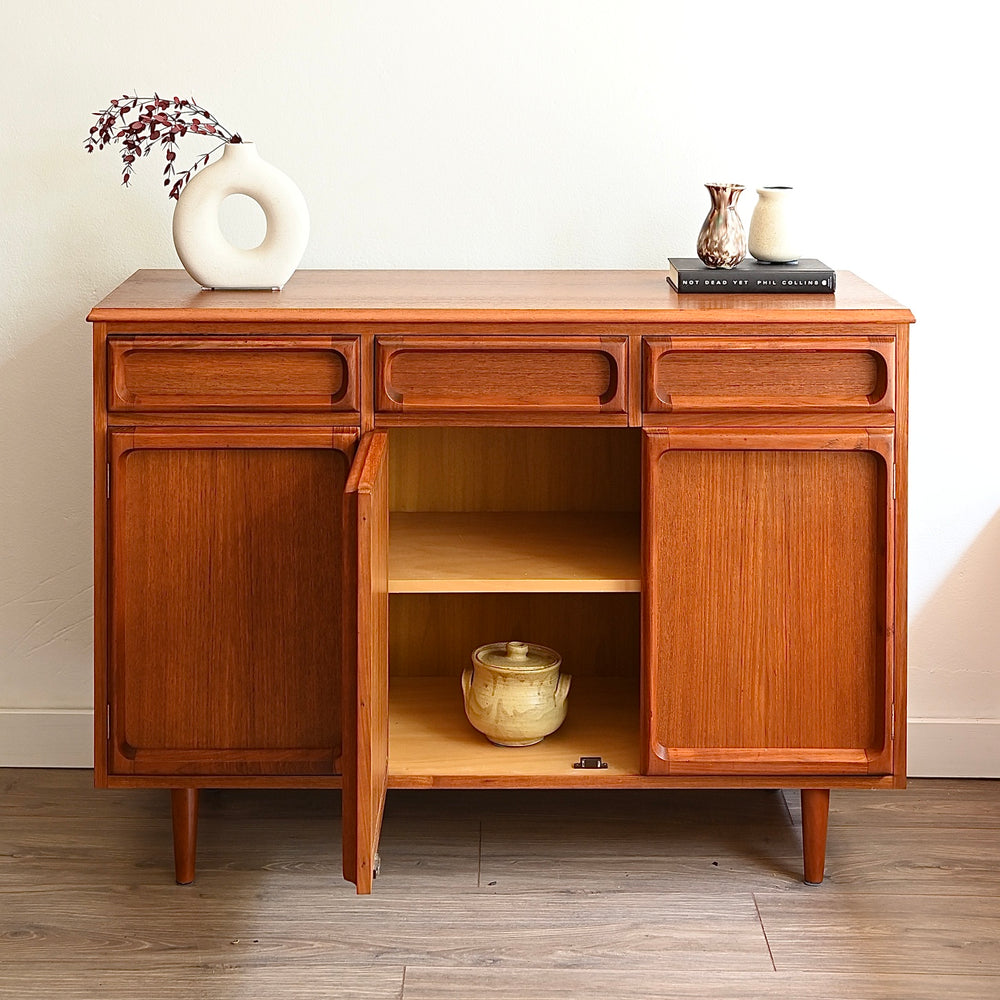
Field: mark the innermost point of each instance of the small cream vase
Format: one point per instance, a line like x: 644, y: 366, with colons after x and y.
x: 774, y: 235
x: 514, y: 693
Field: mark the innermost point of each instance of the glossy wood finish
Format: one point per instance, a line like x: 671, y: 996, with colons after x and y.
x: 433, y: 635
x: 564, y: 297
x: 782, y: 542
x: 815, y: 820
x: 184, y: 816
x: 587, y: 469
x: 514, y: 552
x: 501, y: 374
x: 230, y: 373
x: 225, y: 598
x: 366, y: 679
x: 432, y: 745
x: 777, y: 373
x: 769, y: 506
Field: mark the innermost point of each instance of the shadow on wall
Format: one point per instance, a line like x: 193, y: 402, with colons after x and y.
x: 954, y: 668
x: 46, y: 498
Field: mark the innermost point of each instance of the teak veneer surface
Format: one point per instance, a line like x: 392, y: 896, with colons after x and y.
x: 457, y: 296
x: 216, y: 547
x: 584, y: 459
x: 431, y: 741
x: 513, y: 552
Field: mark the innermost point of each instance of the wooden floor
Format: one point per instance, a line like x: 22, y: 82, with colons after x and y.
x: 612, y: 895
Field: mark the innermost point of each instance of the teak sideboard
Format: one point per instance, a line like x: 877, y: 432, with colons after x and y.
x: 313, y: 504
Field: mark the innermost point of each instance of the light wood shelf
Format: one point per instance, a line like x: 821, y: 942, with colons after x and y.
x: 510, y: 551
x: 432, y: 742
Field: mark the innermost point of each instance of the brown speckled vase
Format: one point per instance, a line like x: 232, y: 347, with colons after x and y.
x: 722, y: 241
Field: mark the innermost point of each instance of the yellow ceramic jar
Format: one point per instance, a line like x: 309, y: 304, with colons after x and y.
x: 514, y: 693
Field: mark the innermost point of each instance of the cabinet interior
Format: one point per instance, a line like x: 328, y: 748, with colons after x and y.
x: 513, y: 533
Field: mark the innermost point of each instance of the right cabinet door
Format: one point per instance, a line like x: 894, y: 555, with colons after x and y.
x: 768, y: 601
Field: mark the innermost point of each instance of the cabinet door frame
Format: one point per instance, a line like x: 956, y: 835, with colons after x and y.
x: 162, y: 765
x: 366, y: 659
x: 705, y: 760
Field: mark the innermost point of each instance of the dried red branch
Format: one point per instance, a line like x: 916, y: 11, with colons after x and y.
x: 155, y: 121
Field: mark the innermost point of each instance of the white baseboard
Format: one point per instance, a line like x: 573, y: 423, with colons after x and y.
x: 953, y: 748
x: 46, y: 737
x: 936, y: 748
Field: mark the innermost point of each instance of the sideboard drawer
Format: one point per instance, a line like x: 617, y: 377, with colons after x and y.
x: 772, y: 373
x: 502, y: 374
x: 232, y: 373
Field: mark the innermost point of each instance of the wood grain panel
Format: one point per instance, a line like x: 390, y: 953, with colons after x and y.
x: 366, y: 678
x: 435, y: 634
x: 501, y: 373
x: 802, y: 684
x: 225, y: 604
x: 431, y: 742
x: 514, y: 552
x: 162, y: 373
x: 704, y: 374
x: 901, y: 543
x: 515, y: 469
x: 781, y: 545
x: 417, y: 296
x: 102, y: 640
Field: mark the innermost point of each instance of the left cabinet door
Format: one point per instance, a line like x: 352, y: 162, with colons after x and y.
x: 226, y: 602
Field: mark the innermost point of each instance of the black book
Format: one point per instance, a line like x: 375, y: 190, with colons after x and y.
x: 689, y: 274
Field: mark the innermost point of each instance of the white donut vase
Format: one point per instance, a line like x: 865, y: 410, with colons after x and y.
x: 198, y: 238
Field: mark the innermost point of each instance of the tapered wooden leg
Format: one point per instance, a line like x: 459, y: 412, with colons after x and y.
x: 815, y: 816
x: 184, y: 811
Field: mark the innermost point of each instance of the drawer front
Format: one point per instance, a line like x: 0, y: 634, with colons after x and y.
x: 232, y: 373
x: 699, y: 373
x: 504, y: 374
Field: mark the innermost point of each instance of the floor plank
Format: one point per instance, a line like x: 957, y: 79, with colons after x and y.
x: 650, y: 855
x: 957, y: 935
x: 287, y: 919
x: 198, y: 980
x: 532, y: 984
x: 720, y: 841
x: 422, y: 851
x: 535, y: 895
x: 924, y: 803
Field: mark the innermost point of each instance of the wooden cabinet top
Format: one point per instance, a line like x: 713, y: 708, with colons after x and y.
x: 483, y: 296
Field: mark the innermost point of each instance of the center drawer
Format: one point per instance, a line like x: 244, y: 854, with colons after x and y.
x: 164, y: 373
x: 502, y: 374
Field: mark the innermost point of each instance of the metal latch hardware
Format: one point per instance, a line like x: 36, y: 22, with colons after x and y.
x: 591, y: 763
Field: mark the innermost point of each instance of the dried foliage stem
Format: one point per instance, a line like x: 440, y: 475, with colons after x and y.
x: 139, y: 124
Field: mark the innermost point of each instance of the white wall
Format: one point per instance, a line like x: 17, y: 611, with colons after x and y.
x: 511, y: 133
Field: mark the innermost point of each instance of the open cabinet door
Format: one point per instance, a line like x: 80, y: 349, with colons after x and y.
x: 366, y: 659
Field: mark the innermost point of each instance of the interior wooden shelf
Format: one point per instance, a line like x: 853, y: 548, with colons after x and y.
x: 513, y: 552
x: 432, y: 742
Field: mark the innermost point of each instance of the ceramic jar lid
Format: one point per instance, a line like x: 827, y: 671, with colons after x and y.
x: 517, y: 656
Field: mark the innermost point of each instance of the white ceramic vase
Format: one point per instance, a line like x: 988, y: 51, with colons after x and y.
x: 198, y: 238
x: 774, y: 229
